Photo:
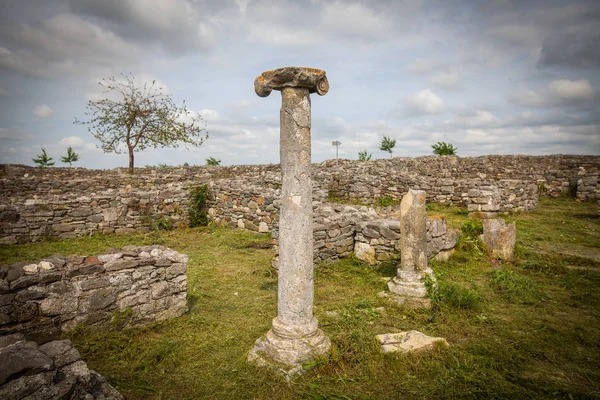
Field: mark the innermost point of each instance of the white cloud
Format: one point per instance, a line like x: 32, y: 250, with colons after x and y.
x: 479, y: 119
x: 558, y: 93
x: 73, y: 141
x: 425, y: 102
x: 572, y: 90
x: 42, y: 111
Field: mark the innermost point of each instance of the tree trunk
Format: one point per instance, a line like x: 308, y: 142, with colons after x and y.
x: 130, y: 160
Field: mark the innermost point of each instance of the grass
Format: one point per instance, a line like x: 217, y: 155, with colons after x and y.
x: 529, y: 328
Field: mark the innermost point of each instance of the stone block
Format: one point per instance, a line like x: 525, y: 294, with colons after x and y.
x: 408, y: 342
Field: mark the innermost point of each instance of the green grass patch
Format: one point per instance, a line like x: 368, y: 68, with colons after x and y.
x: 521, y: 329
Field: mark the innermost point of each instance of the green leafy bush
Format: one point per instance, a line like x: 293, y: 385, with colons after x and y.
x: 444, y: 149
x: 198, y: 206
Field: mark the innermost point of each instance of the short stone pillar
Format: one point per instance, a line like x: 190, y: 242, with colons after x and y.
x: 408, y: 286
x: 294, y: 337
x: 500, y: 237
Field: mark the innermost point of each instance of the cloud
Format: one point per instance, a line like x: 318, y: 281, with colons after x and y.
x: 176, y: 26
x: 477, y: 119
x: 422, y: 66
x: 42, y: 111
x: 446, y: 80
x: 59, y: 45
x: 73, y: 141
x: 572, y: 91
x: 423, y: 103
x: 560, y: 92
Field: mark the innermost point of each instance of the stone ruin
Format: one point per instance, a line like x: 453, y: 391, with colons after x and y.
x: 295, y: 337
x: 40, y: 300
x: 126, y: 287
x: 53, y: 370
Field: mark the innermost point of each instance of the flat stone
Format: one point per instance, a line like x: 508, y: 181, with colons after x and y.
x: 119, y: 264
x: 102, y: 298
x: 61, y: 351
x: 23, y: 358
x: 58, y: 305
x: 408, y: 342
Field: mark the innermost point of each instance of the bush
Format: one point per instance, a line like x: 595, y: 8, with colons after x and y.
x: 198, y: 206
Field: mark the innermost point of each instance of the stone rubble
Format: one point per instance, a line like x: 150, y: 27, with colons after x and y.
x: 53, y: 370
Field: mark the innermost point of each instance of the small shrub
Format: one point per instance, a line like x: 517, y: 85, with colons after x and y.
x: 364, y: 155
x: 387, y: 201
x: 198, y: 206
x: 472, y: 228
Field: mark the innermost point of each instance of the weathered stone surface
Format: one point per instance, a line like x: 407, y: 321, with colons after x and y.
x: 57, y: 305
x: 410, y: 278
x: 364, y: 252
x: 22, y: 358
x: 102, y: 298
x: 61, y: 351
x: 51, y: 371
x: 407, y: 342
x: 500, y: 237
x: 294, y: 337
x: 41, y: 305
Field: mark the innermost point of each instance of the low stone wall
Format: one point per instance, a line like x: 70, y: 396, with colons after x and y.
x: 341, y: 230
x: 378, y: 240
x: 130, y: 286
x: 53, y: 370
x: 72, y: 202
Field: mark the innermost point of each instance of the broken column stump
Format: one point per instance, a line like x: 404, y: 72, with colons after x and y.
x: 408, y: 286
x: 500, y: 237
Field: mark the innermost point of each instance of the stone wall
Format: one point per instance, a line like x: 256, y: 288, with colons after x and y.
x: 70, y: 202
x: 51, y: 371
x: 378, y: 240
x: 130, y: 286
x: 341, y: 230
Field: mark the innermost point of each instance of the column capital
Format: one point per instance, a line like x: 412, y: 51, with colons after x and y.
x: 312, y: 79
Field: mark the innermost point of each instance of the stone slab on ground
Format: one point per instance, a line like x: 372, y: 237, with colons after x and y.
x: 407, y: 342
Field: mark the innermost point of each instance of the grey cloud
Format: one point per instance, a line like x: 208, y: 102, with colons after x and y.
x: 176, y: 26
x: 581, y: 49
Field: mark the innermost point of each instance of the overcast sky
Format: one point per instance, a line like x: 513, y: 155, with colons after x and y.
x: 490, y: 77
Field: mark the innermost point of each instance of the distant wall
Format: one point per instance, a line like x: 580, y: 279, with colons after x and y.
x: 130, y: 286
x: 71, y: 202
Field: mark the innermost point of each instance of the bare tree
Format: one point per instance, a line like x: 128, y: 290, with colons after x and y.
x: 140, y: 117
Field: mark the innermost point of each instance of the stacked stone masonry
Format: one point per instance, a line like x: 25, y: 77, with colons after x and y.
x: 341, y: 230
x: 72, y: 202
x: 126, y: 287
x: 53, y: 370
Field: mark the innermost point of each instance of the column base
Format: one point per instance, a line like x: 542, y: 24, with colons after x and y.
x: 286, y: 347
x: 408, y: 288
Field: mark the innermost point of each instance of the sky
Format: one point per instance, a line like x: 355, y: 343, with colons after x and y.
x: 490, y: 77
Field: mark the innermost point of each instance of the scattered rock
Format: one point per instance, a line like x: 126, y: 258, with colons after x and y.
x: 407, y: 342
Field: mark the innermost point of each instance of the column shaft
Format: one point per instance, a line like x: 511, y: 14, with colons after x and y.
x: 295, y: 290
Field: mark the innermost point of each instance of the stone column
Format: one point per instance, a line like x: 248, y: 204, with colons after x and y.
x: 294, y: 337
x: 409, y: 280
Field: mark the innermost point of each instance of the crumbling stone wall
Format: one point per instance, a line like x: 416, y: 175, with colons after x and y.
x: 53, y: 370
x: 130, y: 286
x: 341, y: 230
x: 378, y: 240
x: 70, y: 202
